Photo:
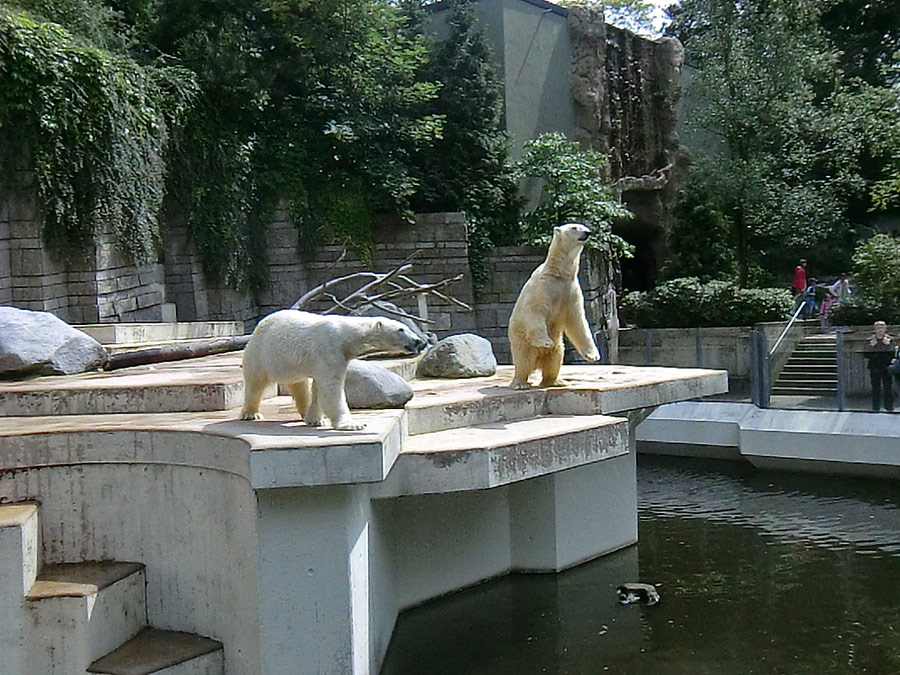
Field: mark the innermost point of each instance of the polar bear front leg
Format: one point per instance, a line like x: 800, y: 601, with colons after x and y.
x: 579, y: 333
x: 329, y: 393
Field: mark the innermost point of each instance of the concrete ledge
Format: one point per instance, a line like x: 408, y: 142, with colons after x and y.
x: 139, y: 333
x: 590, y: 390
x: 495, y: 454
x: 850, y: 443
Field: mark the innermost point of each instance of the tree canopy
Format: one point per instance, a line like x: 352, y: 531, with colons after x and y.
x: 798, y: 140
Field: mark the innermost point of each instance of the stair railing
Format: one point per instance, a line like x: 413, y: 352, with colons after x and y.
x: 787, y: 328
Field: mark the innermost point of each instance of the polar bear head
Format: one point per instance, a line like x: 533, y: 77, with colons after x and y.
x: 570, y: 236
x: 393, y: 337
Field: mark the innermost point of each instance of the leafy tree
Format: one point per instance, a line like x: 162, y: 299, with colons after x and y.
x: 317, y: 103
x: 800, y: 145
x: 867, y: 33
x: 877, y: 277
x: 573, y: 190
x: 468, y: 167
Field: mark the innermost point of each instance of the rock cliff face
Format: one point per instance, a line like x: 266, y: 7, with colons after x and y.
x: 626, y: 89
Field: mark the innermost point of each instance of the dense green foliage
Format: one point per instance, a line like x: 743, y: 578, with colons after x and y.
x: 687, y: 302
x: 97, y: 128
x: 467, y: 168
x: 876, y: 274
x: 316, y: 103
x: 573, y: 190
x: 795, y: 145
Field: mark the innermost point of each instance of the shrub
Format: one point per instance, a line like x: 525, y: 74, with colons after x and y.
x: 876, y: 272
x: 687, y: 302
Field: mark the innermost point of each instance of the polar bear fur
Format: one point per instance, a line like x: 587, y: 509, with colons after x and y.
x: 549, y: 305
x: 291, y: 348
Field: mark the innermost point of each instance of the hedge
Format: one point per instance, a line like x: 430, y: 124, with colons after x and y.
x: 686, y: 302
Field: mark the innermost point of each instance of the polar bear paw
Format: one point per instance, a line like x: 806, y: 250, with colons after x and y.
x: 251, y: 416
x: 515, y: 384
x: 314, y: 421
x: 592, y: 355
x: 349, y: 425
x: 544, y: 343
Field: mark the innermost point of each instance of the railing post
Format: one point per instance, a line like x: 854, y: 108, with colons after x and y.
x: 765, y: 388
x: 697, y: 349
x: 754, y: 366
x: 841, y: 373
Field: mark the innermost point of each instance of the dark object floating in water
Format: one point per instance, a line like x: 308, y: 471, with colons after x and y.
x: 630, y: 593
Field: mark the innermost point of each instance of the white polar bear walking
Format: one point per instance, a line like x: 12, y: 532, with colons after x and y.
x: 291, y: 348
x: 550, y: 304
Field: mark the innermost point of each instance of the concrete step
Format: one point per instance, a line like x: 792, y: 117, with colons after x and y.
x: 806, y: 378
x: 804, y: 391
x: 817, y: 367
x: 143, y: 333
x: 19, y: 544
x: 163, y: 652
x: 82, y: 611
x: 812, y: 360
x: 499, y: 453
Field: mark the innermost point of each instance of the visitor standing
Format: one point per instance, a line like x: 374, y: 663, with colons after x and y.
x: 879, y: 352
x: 798, y: 285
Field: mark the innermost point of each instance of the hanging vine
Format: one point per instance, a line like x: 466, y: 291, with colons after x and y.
x: 97, y: 127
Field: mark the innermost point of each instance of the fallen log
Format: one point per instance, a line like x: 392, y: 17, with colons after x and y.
x: 147, y: 355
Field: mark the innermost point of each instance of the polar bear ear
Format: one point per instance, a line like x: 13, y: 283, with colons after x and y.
x: 558, y: 228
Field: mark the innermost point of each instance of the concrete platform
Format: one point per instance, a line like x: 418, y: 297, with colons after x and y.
x: 815, y: 441
x: 321, y: 537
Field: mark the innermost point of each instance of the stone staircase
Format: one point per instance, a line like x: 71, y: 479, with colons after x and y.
x: 85, y: 617
x: 811, y: 370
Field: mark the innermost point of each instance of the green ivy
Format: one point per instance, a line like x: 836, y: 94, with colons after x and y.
x: 97, y: 127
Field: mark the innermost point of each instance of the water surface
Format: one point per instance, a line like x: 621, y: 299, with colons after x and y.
x: 760, y: 573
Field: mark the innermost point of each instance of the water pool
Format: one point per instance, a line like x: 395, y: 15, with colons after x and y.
x: 760, y: 573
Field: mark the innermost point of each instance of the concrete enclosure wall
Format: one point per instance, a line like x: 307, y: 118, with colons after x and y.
x: 729, y: 349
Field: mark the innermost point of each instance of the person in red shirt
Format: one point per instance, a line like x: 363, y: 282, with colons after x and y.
x: 799, y: 283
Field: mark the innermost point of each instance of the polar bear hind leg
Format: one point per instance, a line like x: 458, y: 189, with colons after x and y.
x: 302, y: 395
x: 524, y: 358
x: 550, y: 362
x: 255, y: 384
x: 313, y: 415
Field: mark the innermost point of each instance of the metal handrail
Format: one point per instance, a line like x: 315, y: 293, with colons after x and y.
x: 788, y: 327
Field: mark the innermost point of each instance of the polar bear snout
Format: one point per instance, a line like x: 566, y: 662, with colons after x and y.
x: 416, y: 345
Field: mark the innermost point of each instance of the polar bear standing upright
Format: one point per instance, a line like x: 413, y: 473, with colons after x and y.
x: 291, y: 347
x: 550, y: 304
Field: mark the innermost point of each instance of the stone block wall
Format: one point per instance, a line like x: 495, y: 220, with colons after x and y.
x: 509, y: 268
x: 106, y: 288
x: 102, y: 286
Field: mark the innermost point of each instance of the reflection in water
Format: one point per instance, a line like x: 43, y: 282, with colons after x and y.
x: 760, y: 573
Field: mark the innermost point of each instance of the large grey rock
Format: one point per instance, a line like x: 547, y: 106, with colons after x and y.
x: 464, y: 355
x: 369, y: 385
x: 38, y: 343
